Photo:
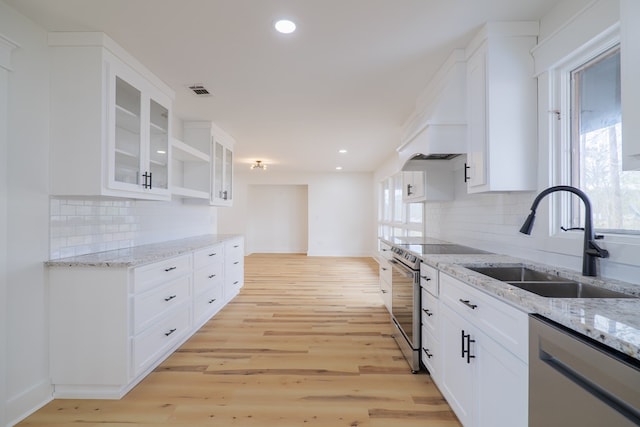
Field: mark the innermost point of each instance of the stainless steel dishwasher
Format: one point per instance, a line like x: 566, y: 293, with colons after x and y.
x: 576, y: 381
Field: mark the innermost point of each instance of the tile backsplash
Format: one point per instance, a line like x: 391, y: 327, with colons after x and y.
x: 82, y: 225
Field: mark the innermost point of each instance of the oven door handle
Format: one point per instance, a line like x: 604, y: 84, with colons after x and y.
x: 401, y: 268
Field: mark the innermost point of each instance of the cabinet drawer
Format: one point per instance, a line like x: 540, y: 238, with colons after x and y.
x: 385, y: 271
x: 151, y: 345
x: 207, y: 302
x: 430, y: 312
x: 150, y: 275
x: 234, y: 250
x: 430, y: 354
x: 505, y: 324
x: 429, y: 279
x: 152, y: 305
x: 385, y: 250
x: 211, y: 255
x: 211, y: 275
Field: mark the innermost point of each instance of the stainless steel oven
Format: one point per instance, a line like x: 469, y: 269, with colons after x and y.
x: 405, y: 305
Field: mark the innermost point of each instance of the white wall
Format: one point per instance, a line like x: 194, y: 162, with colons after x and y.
x: 278, y: 220
x: 340, y: 218
x: 26, y: 375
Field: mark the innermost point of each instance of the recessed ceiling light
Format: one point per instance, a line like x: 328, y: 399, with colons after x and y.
x: 285, y: 26
x: 343, y: 151
x: 338, y: 168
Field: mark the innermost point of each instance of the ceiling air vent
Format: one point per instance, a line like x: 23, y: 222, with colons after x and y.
x: 199, y: 90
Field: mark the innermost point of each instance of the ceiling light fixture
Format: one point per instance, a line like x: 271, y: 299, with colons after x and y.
x: 343, y: 151
x: 285, y: 26
x: 259, y: 165
x: 338, y: 168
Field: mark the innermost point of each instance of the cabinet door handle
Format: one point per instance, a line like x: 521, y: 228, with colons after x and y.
x: 166, y: 334
x: 384, y: 268
x: 466, y: 177
x: 169, y: 269
x: 427, y: 312
x: 211, y: 301
x: 468, y: 303
x: 426, y: 351
x: 383, y: 291
x: 213, y: 254
x: 427, y: 278
x: 170, y: 297
x: 211, y: 276
x: 409, y: 187
x: 467, y: 352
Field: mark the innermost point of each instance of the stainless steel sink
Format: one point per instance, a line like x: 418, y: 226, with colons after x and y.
x: 546, y: 284
x: 568, y: 289
x: 517, y: 274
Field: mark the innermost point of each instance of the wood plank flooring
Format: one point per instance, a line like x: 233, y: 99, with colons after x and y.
x: 306, y: 343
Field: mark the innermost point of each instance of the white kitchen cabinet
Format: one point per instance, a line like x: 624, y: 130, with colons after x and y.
x: 384, y: 273
x: 427, y: 181
x: 501, y: 109
x: 630, y: 93
x: 484, y: 357
x: 233, y: 266
x: 431, y: 351
x: 217, y: 178
x: 110, y: 121
x: 208, y: 282
x: 110, y: 326
x: 222, y: 173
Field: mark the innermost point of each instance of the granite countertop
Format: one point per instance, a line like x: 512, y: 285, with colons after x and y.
x: 614, y: 322
x: 143, y: 254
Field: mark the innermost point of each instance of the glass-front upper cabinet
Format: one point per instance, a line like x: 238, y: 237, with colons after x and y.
x: 111, y: 114
x: 222, y: 186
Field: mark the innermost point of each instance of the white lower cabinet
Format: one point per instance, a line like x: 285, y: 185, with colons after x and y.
x: 483, y: 362
x: 110, y: 326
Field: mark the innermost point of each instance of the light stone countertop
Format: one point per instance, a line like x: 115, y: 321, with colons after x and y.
x: 614, y: 322
x: 143, y: 254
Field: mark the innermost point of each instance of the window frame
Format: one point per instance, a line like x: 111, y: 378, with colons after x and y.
x: 560, y: 132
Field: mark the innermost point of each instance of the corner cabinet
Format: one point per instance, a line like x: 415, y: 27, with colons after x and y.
x: 110, y: 121
x: 501, y: 109
x: 204, y: 141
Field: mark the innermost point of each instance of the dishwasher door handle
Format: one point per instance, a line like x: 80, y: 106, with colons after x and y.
x: 590, y: 387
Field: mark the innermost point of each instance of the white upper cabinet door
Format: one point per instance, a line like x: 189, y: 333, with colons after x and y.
x: 110, y: 122
x: 502, y: 109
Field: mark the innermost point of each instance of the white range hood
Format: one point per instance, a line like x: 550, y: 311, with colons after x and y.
x: 438, y: 127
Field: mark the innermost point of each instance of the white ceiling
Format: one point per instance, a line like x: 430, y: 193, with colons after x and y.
x: 347, y: 78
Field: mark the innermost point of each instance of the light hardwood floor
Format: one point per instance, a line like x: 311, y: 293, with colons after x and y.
x: 306, y: 343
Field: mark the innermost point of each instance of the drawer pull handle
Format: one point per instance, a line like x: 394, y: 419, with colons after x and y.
x: 236, y: 246
x: 213, y: 254
x: 211, y: 276
x: 166, y: 334
x: 211, y: 301
x: 468, y: 304
x: 384, y: 268
x: 169, y: 298
x: 426, y: 351
x: 237, y: 262
x: 383, y: 291
x: 169, y: 269
x: 427, y: 312
x: 425, y: 278
x: 236, y: 282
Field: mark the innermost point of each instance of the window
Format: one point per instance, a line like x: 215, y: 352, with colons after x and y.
x: 395, y: 218
x: 595, y: 152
